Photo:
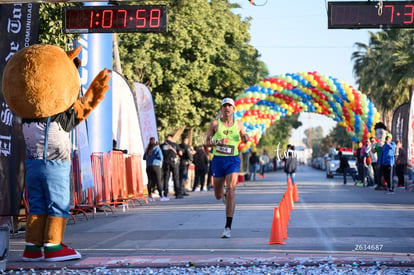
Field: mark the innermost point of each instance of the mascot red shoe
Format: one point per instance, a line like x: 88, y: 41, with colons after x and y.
x: 41, y: 84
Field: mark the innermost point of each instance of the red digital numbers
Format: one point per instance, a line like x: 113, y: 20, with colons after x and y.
x: 72, y: 19
x: 154, y: 18
x: 391, y: 7
x: 121, y: 18
x: 140, y: 16
x: 115, y: 19
x: 396, y: 14
x: 107, y: 19
x: 409, y: 14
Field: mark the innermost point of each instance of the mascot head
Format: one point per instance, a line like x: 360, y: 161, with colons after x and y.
x: 41, y: 81
x: 380, y: 131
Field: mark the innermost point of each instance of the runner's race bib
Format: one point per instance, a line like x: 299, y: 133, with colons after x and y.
x: 225, y: 149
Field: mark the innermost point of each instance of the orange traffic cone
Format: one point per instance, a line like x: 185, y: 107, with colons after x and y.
x: 289, y: 199
x: 295, y: 193
x: 276, y: 235
x: 286, y: 207
x: 284, y: 216
x: 289, y: 184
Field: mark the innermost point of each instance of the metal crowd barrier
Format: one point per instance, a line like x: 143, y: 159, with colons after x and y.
x: 117, y: 180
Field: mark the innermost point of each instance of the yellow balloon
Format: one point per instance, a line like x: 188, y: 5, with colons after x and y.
x: 266, y: 84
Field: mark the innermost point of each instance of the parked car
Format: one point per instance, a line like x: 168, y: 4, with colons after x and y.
x: 332, y: 165
x: 318, y: 163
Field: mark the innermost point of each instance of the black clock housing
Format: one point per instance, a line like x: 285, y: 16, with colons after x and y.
x: 110, y: 19
x: 369, y: 15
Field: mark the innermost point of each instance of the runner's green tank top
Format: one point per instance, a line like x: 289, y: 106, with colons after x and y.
x: 232, y: 146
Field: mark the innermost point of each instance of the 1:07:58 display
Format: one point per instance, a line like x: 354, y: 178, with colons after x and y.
x: 89, y: 19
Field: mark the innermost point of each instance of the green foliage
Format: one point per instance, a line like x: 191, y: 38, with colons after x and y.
x: 204, y: 56
x: 385, y: 68
x: 50, y: 31
x: 340, y: 137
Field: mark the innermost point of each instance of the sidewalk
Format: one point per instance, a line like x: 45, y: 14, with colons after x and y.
x: 330, y: 223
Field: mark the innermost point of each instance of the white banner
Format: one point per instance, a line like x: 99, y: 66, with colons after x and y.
x: 84, y: 154
x: 410, y: 139
x: 146, y: 113
x: 126, y: 128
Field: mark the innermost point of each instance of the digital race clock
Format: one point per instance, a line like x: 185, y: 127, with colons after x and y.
x: 108, y: 19
x: 358, y: 15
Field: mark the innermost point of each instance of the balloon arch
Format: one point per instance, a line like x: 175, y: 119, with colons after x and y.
x: 261, y: 105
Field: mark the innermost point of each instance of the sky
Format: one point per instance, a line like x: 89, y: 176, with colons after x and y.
x: 293, y: 36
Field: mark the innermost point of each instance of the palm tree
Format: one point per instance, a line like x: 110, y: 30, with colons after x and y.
x: 403, y: 74
x: 384, y: 69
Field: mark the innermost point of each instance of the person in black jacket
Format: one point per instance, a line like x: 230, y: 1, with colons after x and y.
x: 170, y: 151
x: 201, y: 163
x: 186, y: 157
x: 254, y: 164
x: 290, y: 164
x: 344, y: 167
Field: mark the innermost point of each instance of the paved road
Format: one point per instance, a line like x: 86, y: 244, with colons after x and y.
x: 330, y: 222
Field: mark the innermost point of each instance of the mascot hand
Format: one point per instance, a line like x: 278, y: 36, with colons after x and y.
x: 93, y: 96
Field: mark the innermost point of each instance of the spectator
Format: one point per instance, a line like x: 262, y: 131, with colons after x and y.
x: 115, y: 147
x: 387, y: 161
x: 153, y: 156
x: 290, y: 164
x: 274, y: 160
x: 374, y: 160
x: 401, y: 163
x: 201, y: 163
x: 186, y: 157
x: 345, y: 168
x: 359, y: 163
x: 189, y: 183
x: 254, y: 164
x: 210, y: 156
x: 264, y: 160
x: 367, y: 161
x: 170, y: 151
x: 380, y: 134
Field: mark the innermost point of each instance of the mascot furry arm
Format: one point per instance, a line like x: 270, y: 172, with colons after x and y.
x: 93, y: 96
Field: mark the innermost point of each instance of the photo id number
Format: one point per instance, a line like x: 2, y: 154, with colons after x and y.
x: 368, y: 247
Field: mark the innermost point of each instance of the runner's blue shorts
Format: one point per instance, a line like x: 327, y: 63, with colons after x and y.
x: 222, y: 166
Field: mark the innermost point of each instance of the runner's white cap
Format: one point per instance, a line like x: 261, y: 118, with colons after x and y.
x: 228, y: 100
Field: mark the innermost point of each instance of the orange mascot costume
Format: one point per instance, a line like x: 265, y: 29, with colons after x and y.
x: 41, y: 84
